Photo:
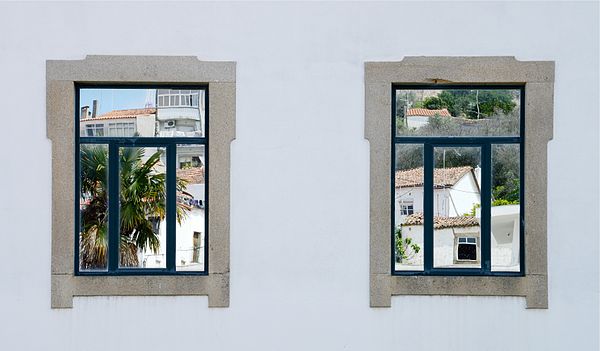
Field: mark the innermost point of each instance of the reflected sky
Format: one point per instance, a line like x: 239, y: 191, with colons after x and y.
x: 117, y: 99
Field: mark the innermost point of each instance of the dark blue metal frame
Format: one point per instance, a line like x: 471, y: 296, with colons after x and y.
x: 485, y: 143
x: 114, y: 143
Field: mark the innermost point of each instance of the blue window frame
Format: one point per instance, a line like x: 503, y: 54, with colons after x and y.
x: 485, y: 144
x: 170, y: 145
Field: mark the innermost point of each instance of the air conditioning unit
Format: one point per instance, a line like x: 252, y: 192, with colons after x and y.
x: 170, y: 124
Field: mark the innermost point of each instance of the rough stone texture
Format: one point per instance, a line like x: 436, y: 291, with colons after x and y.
x: 538, y: 77
x: 460, y: 285
x: 140, y: 69
x: 60, y: 109
x: 378, y: 133
x: 382, y: 296
x: 60, y: 93
x: 460, y: 70
x: 221, y: 131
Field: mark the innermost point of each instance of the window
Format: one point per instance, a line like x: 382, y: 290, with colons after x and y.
x: 460, y: 143
x: 94, y: 130
x: 406, y: 209
x: 121, y: 129
x: 466, y: 250
x: 449, y: 158
x: 180, y: 98
x: 141, y: 224
x: 189, y: 161
x: 131, y: 187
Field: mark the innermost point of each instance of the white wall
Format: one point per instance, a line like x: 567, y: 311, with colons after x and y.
x: 300, y: 186
x: 463, y: 196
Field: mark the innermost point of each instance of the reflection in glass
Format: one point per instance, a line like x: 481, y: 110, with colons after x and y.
x: 456, y: 204
x: 142, y: 207
x: 506, y: 198
x: 458, y: 112
x: 408, y: 204
x: 190, y: 234
x: 93, y: 206
x: 108, y: 112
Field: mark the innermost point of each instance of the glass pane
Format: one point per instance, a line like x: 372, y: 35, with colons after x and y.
x: 190, y: 237
x: 138, y: 114
x: 506, y: 199
x: 142, y: 207
x: 408, y: 203
x: 458, y: 112
x: 181, y: 119
x: 93, y: 207
x: 456, y: 204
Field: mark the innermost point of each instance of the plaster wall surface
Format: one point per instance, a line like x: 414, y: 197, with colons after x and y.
x: 463, y: 196
x: 299, y: 238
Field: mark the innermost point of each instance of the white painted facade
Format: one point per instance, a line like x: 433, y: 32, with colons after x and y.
x: 180, y: 121
x: 144, y: 125
x: 455, y: 201
x: 505, y: 242
x: 445, y: 247
x: 448, y: 201
x: 461, y: 197
x: 185, y: 245
x: 417, y: 121
x: 300, y: 176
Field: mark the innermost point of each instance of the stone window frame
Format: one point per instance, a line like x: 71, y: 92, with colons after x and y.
x: 538, y: 79
x: 61, y: 77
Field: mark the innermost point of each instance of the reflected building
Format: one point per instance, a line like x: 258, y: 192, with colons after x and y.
x: 180, y: 114
x: 457, y: 216
x: 118, y: 123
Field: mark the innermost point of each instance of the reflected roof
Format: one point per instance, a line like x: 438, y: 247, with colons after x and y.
x: 443, y: 177
x: 130, y: 113
x: 442, y: 222
x: 425, y: 112
x: 194, y: 175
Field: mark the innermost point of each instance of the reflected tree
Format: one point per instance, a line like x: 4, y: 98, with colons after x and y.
x: 142, y: 201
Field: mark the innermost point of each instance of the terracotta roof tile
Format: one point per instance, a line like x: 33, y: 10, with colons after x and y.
x: 442, y: 222
x: 442, y: 177
x: 194, y: 175
x: 425, y: 112
x: 131, y: 113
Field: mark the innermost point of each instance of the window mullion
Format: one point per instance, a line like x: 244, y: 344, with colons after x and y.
x: 113, y: 207
x: 428, y: 207
x: 171, y: 205
x: 486, y: 203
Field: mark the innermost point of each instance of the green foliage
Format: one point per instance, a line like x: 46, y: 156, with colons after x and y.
x: 418, y: 104
x: 503, y: 202
x: 506, y: 176
x: 142, y: 197
x: 495, y: 202
x: 405, y: 248
x: 496, y: 114
x: 473, y: 211
x: 405, y: 99
x: 473, y: 104
x: 433, y: 103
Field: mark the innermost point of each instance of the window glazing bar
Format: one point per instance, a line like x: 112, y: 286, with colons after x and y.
x: 171, y: 206
x: 113, y: 208
x: 428, y: 207
x: 486, y: 204
x: 142, y: 141
x: 452, y: 140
